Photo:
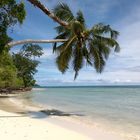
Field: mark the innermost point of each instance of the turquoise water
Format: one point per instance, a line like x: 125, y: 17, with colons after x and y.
x: 115, y: 109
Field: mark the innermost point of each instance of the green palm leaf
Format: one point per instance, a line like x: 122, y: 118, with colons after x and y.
x: 105, y: 29
x: 80, y: 18
x: 65, y: 53
x: 107, y: 42
x: 86, y: 55
x: 63, y: 59
x: 99, y: 62
x: 77, y: 60
x: 63, y: 12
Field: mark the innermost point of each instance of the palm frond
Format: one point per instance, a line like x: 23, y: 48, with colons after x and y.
x: 80, y: 18
x: 64, y: 35
x: 59, y: 48
x: 102, y: 47
x: 105, y: 51
x: 107, y: 41
x: 64, y: 54
x: 54, y: 47
x: 69, y: 42
x: 105, y: 29
x: 77, y: 60
x: 63, y: 47
x: 99, y: 62
x: 63, y: 59
x: 60, y: 29
x: 114, y: 34
x: 117, y: 48
x: 86, y: 55
x: 63, y: 12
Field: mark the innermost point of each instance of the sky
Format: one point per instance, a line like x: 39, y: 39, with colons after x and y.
x: 121, y: 68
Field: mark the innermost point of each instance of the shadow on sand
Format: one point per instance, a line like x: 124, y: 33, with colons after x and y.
x: 53, y: 112
x: 8, y: 106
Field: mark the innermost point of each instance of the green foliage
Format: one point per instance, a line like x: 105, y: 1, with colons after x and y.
x: 7, y: 77
x: 11, y: 13
x: 8, y: 72
x: 63, y: 12
x: 18, y: 70
x: 26, y: 66
x: 80, y: 17
x: 31, y: 50
x: 92, y: 46
x: 62, y: 63
x: 77, y: 60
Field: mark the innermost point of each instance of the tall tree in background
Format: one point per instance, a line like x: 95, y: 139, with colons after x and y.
x: 26, y: 64
x: 8, y: 72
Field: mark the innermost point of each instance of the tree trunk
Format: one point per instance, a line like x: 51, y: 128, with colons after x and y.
x: 38, y: 4
x: 14, y: 43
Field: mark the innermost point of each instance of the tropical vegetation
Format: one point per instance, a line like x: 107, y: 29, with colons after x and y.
x: 79, y: 45
x: 26, y: 63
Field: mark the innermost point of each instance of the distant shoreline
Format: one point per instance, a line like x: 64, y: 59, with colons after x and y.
x: 14, y: 90
x: 91, y: 86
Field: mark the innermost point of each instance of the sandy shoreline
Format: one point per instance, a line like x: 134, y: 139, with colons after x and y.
x: 16, y: 122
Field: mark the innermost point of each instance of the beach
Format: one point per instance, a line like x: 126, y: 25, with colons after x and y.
x: 24, y: 122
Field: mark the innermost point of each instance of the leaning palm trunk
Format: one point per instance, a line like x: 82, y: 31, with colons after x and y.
x: 48, y: 12
x: 14, y: 43
x: 52, y: 16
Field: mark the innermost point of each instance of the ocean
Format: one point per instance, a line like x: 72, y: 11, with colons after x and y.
x: 114, y: 109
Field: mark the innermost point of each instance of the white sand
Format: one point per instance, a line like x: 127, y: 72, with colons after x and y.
x: 35, y: 127
x: 17, y: 127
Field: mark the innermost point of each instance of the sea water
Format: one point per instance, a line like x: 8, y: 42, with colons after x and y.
x: 115, y: 109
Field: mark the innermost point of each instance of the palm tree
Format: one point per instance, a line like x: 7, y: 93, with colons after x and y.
x: 79, y: 44
x: 90, y: 46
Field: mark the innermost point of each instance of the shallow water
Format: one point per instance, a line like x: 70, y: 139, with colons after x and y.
x: 114, y: 109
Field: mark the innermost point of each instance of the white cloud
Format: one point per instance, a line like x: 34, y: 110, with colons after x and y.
x: 48, y: 54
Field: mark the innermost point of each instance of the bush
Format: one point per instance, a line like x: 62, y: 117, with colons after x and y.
x: 8, y: 72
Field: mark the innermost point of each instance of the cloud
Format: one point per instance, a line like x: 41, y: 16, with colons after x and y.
x: 47, y: 54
